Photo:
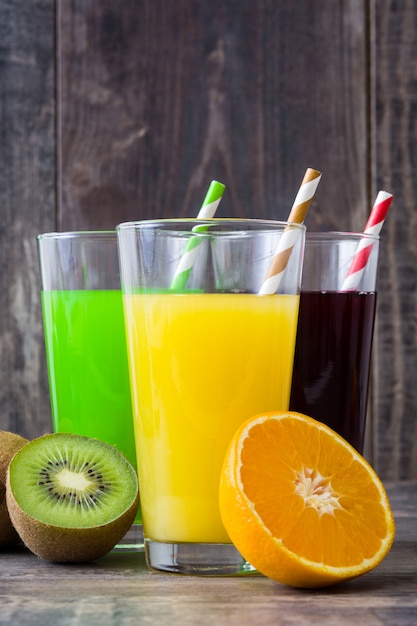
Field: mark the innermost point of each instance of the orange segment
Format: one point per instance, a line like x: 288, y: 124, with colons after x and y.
x: 300, y: 504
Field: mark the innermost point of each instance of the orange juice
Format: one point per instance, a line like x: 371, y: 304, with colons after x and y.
x: 200, y: 364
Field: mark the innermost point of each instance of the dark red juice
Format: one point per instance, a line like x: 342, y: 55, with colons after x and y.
x: 332, y: 360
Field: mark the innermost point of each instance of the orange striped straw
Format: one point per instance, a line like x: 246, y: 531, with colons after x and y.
x: 290, y: 235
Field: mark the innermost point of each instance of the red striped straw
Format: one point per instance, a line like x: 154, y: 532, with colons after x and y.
x: 290, y: 235
x: 373, y: 227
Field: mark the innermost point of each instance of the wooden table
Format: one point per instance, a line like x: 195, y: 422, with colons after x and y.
x: 119, y: 589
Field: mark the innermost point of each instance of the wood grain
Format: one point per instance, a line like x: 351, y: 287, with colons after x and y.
x: 118, y: 589
x: 158, y: 98
x: 394, y: 126
x: 27, y: 206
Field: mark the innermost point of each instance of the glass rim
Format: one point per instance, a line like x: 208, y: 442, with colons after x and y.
x: 270, y: 225
x: 339, y: 235
x: 75, y: 234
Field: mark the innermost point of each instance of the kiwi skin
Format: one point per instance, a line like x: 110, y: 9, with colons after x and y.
x: 68, y: 545
x: 10, y: 443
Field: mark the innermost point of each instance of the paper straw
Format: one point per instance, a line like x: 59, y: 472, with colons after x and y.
x: 363, y: 252
x: 208, y: 209
x: 211, y: 201
x: 290, y: 235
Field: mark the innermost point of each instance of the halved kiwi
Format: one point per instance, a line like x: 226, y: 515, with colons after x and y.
x: 71, y: 498
x: 10, y: 443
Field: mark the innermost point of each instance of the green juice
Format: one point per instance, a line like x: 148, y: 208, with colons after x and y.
x: 87, y: 366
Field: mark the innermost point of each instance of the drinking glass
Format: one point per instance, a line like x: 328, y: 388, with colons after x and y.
x: 86, y: 343
x: 206, y: 352
x: 335, y: 330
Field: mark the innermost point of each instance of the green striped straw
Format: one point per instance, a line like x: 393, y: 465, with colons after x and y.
x: 208, y: 209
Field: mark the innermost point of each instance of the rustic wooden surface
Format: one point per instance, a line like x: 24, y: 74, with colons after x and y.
x: 156, y: 101
x: 118, y: 589
x: 153, y: 99
x: 27, y: 206
x: 394, y: 145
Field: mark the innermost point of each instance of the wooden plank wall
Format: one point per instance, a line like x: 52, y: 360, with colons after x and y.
x: 117, y: 110
x: 393, y: 128
x: 27, y: 206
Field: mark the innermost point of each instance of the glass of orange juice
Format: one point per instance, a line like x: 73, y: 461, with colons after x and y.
x: 208, y: 347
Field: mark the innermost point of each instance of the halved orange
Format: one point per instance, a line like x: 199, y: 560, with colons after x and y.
x: 301, y: 504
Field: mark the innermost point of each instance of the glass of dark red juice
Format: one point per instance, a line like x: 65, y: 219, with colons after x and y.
x: 335, y: 331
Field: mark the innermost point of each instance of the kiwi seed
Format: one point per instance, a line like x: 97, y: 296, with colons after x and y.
x: 71, y: 498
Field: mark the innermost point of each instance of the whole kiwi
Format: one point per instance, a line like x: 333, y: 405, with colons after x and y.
x: 71, y: 498
x: 10, y: 443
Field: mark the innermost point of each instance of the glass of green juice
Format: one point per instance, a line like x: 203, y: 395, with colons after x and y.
x: 86, y: 343
x: 210, y: 344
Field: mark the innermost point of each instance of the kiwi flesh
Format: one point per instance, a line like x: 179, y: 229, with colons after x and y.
x: 10, y: 443
x: 71, y: 498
